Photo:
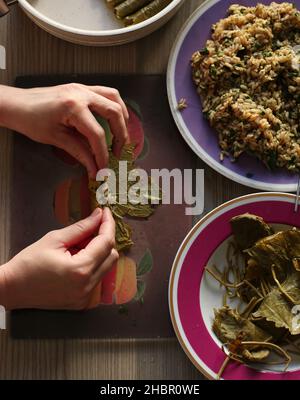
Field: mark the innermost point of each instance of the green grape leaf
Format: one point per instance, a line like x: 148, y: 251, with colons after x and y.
x: 141, y: 288
x: 146, y: 264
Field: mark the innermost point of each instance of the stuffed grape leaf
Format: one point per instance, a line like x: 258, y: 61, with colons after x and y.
x: 229, y: 325
x: 129, y: 209
x: 281, y: 249
x: 248, y: 229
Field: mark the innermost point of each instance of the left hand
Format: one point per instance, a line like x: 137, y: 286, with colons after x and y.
x: 62, y: 116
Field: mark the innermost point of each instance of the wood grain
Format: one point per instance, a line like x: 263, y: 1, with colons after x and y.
x: 32, y: 51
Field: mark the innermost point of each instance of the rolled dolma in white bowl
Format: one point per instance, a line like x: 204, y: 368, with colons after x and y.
x: 100, y: 22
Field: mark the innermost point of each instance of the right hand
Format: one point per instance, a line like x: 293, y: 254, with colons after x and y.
x: 47, y: 276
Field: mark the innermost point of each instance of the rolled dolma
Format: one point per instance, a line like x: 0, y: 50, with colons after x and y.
x: 129, y: 6
x: 114, y: 3
x: 146, y: 12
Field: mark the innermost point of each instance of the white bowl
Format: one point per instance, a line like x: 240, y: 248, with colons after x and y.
x: 91, y: 22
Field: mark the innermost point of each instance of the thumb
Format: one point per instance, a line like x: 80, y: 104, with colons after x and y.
x: 75, y: 234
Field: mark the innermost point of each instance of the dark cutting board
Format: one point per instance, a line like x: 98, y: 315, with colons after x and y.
x: 36, y: 174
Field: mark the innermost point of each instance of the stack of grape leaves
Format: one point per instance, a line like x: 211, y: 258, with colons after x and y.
x: 150, y: 192
x: 264, y: 328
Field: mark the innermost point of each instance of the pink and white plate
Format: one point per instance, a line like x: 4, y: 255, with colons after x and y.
x: 193, y: 294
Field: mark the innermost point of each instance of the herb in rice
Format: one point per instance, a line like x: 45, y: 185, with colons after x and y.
x: 248, y: 78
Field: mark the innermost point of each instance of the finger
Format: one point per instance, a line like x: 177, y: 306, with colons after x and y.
x: 95, y: 298
x: 86, y: 124
x: 101, y: 246
x: 82, y: 230
x: 112, y: 111
x: 102, y: 269
x: 111, y: 94
x: 96, y: 284
x: 77, y: 149
x: 107, y: 227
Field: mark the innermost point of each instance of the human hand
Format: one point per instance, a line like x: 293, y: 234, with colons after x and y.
x: 47, y: 276
x: 62, y: 116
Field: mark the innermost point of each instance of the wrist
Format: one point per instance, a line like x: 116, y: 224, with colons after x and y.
x: 8, y: 106
x: 9, y: 292
x: 3, y: 287
x: 4, y: 98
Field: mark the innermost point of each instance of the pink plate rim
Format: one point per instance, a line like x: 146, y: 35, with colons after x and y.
x: 187, y: 272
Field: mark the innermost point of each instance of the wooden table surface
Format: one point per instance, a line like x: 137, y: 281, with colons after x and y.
x: 33, y: 51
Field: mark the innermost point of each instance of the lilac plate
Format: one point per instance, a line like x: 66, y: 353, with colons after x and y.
x: 194, y: 128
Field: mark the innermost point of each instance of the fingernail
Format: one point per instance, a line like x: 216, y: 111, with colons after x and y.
x: 107, y: 209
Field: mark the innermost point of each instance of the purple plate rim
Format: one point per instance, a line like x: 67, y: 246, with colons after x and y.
x: 184, y: 130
